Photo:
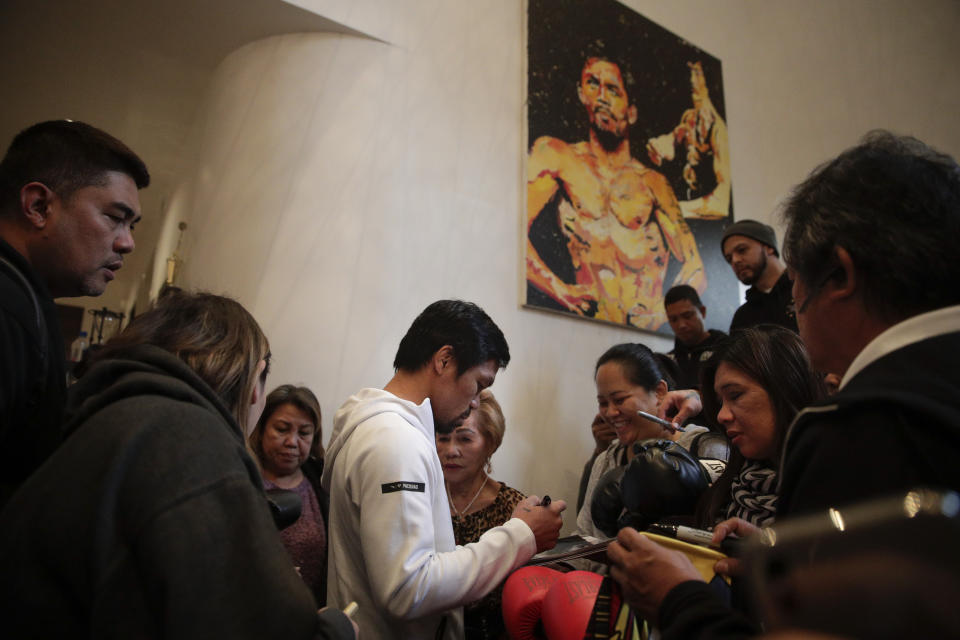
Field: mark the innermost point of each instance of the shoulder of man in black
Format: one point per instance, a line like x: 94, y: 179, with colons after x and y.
x: 16, y: 304
x: 19, y: 376
x: 694, y: 610
x: 682, y: 351
x: 774, y: 307
x: 715, y: 336
x: 739, y: 320
x: 32, y: 371
x: 894, y: 427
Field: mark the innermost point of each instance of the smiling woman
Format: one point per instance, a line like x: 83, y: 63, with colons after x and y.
x: 630, y: 380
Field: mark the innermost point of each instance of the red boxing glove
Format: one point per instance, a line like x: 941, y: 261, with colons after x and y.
x: 523, y: 594
x: 569, y: 604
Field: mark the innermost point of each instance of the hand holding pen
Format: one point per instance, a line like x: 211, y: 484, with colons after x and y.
x: 543, y: 518
x: 680, y: 406
x: 673, y: 426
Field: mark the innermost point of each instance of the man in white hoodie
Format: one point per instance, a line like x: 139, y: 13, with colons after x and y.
x: 391, y: 540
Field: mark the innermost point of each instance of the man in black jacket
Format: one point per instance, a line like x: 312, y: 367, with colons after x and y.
x: 68, y: 203
x: 694, y: 343
x: 750, y: 248
x: 871, y: 241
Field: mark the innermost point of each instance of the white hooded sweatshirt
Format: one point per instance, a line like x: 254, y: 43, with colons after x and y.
x: 391, y: 540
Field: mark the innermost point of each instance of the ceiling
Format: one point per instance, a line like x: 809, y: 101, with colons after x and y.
x: 135, y: 68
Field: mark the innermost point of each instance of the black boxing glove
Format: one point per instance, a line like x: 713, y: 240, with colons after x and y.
x: 663, y: 479
x: 606, y: 505
x: 639, y: 521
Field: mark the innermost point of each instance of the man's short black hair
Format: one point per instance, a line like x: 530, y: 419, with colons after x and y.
x: 462, y: 325
x: 682, y: 292
x: 601, y: 50
x: 893, y: 203
x: 65, y: 155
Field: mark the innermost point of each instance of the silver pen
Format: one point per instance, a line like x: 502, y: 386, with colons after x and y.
x: 666, y: 423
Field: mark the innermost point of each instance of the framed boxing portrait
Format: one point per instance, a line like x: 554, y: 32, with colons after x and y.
x: 627, y: 167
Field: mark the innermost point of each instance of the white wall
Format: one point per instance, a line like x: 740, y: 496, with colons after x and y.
x: 342, y: 184
x: 805, y: 80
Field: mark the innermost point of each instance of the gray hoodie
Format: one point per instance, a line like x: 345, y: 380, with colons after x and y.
x: 150, y: 521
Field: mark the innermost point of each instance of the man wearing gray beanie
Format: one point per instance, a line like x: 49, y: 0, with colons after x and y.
x: 750, y: 248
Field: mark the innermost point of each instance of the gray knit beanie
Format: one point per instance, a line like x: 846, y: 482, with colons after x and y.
x: 752, y: 229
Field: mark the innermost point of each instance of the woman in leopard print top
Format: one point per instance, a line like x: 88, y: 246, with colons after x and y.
x: 477, y: 502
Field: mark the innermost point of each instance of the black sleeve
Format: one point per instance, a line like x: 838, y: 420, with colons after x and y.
x: 335, y: 625
x: 739, y: 320
x: 839, y: 459
x: 29, y: 422
x: 14, y: 372
x: 692, y: 611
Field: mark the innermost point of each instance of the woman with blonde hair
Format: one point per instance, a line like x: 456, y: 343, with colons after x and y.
x: 150, y: 519
x: 477, y: 502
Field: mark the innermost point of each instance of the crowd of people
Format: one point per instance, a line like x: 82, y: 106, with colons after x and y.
x: 136, y: 503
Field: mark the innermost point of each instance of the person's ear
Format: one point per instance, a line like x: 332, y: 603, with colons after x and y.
x: 842, y: 282
x: 583, y: 100
x: 35, y: 200
x: 260, y: 386
x: 661, y: 391
x: 632, y: 114
x: 703, y: 311
x: 442, y: 359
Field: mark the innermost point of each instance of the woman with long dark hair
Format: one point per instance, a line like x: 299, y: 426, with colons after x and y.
x: 755, y: 383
